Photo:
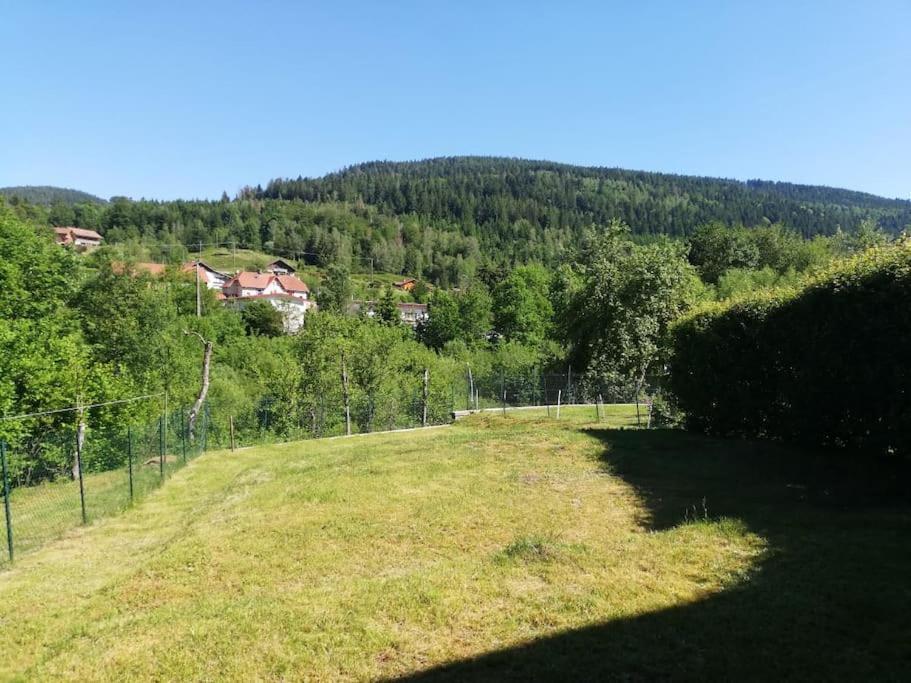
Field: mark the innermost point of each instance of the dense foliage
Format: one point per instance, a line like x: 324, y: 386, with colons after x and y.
x: 450, y: 220
x: 518, y: 197
x: 824, y: 363
x: 48, y: 194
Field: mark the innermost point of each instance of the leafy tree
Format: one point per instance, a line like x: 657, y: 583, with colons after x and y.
x: 474, y: 314
x: 715, y: 248
x: 443, y: 322
x: 521, y: 305
x: 628, y: 297
x: 261, y: 318
x: 387, y: 311
x: 335, y: 292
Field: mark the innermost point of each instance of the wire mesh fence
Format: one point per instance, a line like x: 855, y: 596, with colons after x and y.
x: 60, y: 478
x: 98, y: 473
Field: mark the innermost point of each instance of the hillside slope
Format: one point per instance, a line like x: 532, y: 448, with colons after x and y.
x: 500, y: 548
x: 46, y: 195
x: 494, y: 193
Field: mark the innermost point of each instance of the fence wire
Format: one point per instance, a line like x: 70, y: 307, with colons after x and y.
x: 54, y: 481
x: 83, y: 480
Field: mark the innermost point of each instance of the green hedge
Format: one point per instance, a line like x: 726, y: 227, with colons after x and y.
x: 828, y: 363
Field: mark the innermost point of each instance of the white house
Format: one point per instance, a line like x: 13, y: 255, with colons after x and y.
x: 214, y: 279
x: 285, y: 293
x: 410, y: 313
x: 80, y: 238
x: 280, y: 267
x: 258, y: 284
x: 292, y: 308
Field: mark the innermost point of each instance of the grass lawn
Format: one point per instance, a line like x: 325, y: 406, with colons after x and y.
x: 501, y: 547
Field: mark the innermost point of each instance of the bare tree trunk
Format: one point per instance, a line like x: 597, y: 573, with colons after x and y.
x: 471, y: 391
x: 80, y: 440
x: 346, y: 396
x: 203, y: 389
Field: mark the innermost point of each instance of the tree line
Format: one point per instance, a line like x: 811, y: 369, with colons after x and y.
x: 452, y: 220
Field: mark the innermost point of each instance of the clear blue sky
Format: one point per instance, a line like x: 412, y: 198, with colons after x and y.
x: 187, y: 99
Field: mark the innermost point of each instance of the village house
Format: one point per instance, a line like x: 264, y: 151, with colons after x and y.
x: 280, y: 267
x: 285, y: 293
x: 258, y: 284
x: 292, y: 308
x: 214, y: 279
x: 407, y: 285
x: 412, y: 314
x: 78, y: 238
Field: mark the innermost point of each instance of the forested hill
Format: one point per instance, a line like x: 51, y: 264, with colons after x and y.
x: 46, y: 195
x: 496, y: 193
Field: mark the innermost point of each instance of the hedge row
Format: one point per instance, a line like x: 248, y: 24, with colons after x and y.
x: 827, y: 364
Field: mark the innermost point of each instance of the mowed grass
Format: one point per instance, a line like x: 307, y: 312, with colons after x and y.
x: 44, y: 512
x: 501, y: 547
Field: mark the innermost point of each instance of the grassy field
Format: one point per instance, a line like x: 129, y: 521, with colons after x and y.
x: 511, y: 547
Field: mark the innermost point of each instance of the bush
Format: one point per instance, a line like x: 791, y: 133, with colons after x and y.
x: 825, y: 363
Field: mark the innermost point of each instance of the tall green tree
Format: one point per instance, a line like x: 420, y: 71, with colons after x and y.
x: 443, y: 322
x: 387, y: 311
x: 522, y: 309
x: 261, y: 318
x: 475, y: 314
x: 335, y: 291
x: 629, y: 296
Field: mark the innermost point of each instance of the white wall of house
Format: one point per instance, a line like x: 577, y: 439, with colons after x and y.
x: 293, y: 311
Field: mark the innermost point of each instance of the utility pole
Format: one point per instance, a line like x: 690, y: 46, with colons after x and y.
x: 198, y: 294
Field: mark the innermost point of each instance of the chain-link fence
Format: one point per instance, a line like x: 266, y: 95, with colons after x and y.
x: 94, y: 473
x: 56, y: 479
x: 480, y: 391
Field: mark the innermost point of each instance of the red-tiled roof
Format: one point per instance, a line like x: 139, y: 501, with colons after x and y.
x: 249, y: 280
x: 292, y: 284
x: 71, y: 232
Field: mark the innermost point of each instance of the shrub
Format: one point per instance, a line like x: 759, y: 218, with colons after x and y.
x: 825, y: 363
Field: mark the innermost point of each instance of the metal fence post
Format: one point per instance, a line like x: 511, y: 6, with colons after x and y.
x: 81, y: 484
x: 503, y: 391
x: 161, y: 447
x: 130, y: 458
x: 6, y: 505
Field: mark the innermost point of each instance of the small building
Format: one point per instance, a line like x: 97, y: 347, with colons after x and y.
x: 214, y: 279
x: 280, y: 267
x: 407, y: 285
x: 410, y: 313
x: 247, y: 284
x: 285, y: 293
x: 293, y: 309
x: 78, y: 238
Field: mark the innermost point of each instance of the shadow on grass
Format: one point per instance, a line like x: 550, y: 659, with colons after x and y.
x: 831, y: 600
